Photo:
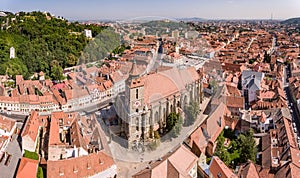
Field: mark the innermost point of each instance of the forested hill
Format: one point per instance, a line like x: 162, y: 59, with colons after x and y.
x: 42, y: 43
x: 292, y: 21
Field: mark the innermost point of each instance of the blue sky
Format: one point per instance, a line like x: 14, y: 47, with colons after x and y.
x: 124, y: 9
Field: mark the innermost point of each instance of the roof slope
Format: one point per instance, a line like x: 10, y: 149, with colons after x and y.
x: 27, y: 168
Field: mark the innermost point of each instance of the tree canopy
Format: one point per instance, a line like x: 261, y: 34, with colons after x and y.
x: 240, y: 150
x: 39, y: 38
x: 191, y: 111
x: 174, y: 124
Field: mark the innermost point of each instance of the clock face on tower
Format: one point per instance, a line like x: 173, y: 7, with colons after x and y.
x: 136, y: 104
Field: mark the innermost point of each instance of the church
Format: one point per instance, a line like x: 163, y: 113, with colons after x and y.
x: 149, y: 98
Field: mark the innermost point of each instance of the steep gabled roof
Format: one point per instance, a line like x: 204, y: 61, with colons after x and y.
x: 83, y: 166
x: 27, y: 168
x: 32, y: 125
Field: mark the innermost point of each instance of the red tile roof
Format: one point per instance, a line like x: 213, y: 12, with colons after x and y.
x: 210, y: 129
x: 57, y: 118
x: 175, y: 164
x: 83, y: 166
x: 6, y: 124
x: 32, y: 125
x: 248, y: 171
x: 27, y: 168
x: 218, y: 169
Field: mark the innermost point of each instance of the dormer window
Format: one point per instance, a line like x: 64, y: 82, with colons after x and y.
x: 137, y: 124
x: 60, y: 122
x: 101, y: 162
x: 61, y: 172
x: 75, y: 170
x: 220, y: 122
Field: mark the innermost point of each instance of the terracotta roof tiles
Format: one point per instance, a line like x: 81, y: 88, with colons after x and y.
x: 83, y: 166
x: 27, y: 168
x: 218, y: 169
x: 32, y: 125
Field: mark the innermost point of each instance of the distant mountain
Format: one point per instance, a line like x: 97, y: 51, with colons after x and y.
x: 192, y: 19
x: 292, y: 21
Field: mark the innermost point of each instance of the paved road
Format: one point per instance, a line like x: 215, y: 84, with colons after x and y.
x: 16, y: 117
x: 14, y: 150
x: 95, y: 107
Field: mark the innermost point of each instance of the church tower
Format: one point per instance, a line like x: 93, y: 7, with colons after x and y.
x: 12, y: 53
x: 134, y: 103
x: 134, y: 90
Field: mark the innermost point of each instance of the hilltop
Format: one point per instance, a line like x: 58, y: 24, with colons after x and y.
x: 292, y: 21
x: 42, y: 43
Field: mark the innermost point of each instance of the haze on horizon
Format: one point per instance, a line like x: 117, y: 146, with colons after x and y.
x: 124, y: 9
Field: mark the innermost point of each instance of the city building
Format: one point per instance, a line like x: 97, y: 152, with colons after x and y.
x: 97, y: 164
x: 191, y: 34
x: 27, y: 168
x: 218, y: 169
x: 12, y: 53
x: 31, y: 132
x: 148, y: 99
x: 175, y: 34
x: 7, y: 126
x: 88, y: 33
x: 251, y: 82
x: 179, y: 163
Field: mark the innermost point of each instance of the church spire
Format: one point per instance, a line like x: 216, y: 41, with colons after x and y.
x: 134, y: 70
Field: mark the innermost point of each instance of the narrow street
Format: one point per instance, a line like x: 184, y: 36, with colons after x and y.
x: 292, y: 105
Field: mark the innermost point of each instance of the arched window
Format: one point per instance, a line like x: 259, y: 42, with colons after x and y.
x: 137, y: 94
x: 137, y: 124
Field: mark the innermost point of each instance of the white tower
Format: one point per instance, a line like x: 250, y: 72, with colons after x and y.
x: 12, y: 53
x: 177, y: 49
x: 88, y: 33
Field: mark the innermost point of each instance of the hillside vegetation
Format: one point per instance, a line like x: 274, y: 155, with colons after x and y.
x: 292, y: 21
x: 46, y: 43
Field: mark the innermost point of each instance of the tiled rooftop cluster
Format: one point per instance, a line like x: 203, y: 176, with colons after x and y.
x: 254, y: 63
x: 70, y: 144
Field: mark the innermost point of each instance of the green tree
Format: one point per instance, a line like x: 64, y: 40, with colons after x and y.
x: 177, y: 127
x: 40, y: 173
x: 191, y: 111
x: 247, y: 146
x: 220, y: 144
x: 267, y: 57
x: 171, y: 120
x: 38, y: 41
x: 240, y: 150
x: 156, y: 135
x: 174, y: 124
x: 72, y: 60
x: 56, y: 71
